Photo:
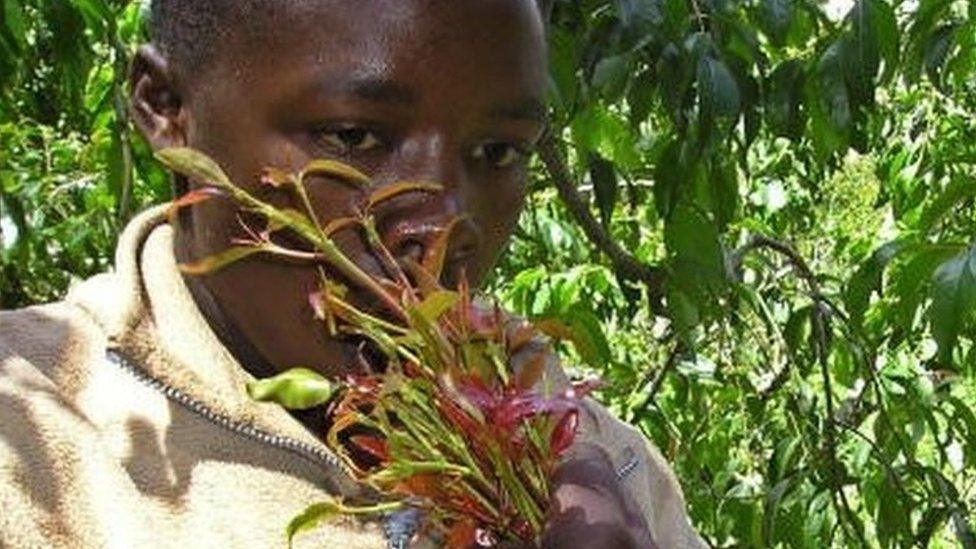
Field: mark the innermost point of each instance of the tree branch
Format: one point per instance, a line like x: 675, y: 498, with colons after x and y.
x: 625, y: 265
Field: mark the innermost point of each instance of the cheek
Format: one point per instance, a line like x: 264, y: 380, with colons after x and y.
x: 498, y: 206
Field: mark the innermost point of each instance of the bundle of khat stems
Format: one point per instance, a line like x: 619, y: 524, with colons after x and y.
x: 444, y: 423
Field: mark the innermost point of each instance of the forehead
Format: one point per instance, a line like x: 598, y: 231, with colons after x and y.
x: 487, y: 44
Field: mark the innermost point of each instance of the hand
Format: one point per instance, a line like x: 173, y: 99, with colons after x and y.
x: 590, y: 507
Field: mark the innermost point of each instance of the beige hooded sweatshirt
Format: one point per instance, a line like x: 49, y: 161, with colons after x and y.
x: 124, y: 423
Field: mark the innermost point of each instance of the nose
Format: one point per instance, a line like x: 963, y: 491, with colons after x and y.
x: 415, y: 225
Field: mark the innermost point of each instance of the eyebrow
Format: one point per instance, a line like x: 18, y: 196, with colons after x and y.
x: 374, y: 89
x: 530, y: 108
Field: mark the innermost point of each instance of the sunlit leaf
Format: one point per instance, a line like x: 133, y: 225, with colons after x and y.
x: 194, y: 165
x: 387, y: 192
x: 219, y: 261
x: 296, y: 389
x: 311, y: 517
x: 435, y: 305
x: 582, y: 328
x: 338, y: 170
x: 953, y: 300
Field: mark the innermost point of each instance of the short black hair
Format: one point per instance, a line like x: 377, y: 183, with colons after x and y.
x: 187, y: 30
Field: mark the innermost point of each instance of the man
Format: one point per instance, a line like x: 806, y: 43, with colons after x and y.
x: 123, y: 420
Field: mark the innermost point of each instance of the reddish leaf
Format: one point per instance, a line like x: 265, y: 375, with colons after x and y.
x: 523, y: 529
x: 195, y: 196
x: 376, y: 447
x: 436, y: 254
x: 423, y: 486
x: 564, y: 433
x: 462, y: 534
x: 456, y: 416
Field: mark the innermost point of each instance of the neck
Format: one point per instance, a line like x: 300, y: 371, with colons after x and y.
x: 227, y: 332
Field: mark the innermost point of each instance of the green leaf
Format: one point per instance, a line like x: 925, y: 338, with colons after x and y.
x: 580, y: 326
x: 829, y: 103
x: 597, y: 130
x: 218, y: 261
x: 718, y: 90
x: 437, y: 304
x: 959, y: 190
x: 867, y: 280
x: 611, y: 75
x: 194, y: 165
x: 297, y: 389
x: 641, y: 15
x: 910, y: 280
x: 605, y: 186
x: 783, y: 99
x: 14, y: 19
x: 777, y: 17
x: 311, y: 517
x: 953, y: 300
x: 388, y: 192
x: 338, y: 170
x: 562, y: 67
x: 693, y: 241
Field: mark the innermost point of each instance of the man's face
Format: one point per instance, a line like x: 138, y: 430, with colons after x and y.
x: 444, y: 91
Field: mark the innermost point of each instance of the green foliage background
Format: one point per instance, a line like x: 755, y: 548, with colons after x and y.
x: 757, y: 217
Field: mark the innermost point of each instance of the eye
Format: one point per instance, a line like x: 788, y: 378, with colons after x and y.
x: 499, y: 154
x: 349, y: 139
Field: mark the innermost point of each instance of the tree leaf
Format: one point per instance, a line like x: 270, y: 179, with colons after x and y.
x: 196, y: 196
x: 336, y: 169
x: 597, y: 130
x: 296, y: 389
x: 829, y: 104
x: 277, y: 178
x: 693, y: 241
x: 867, y: 280
x: 777, y: 16
x: 14, y: 19
x: 438, y: 303
x: 219, y: 261
x: 387, y: 192
x: 953, y: 300
x: 311, y: 517
x: 718, y: 90
x: 959, y: 190
x: 582, y: 328
x: 436, y: 253
x: 783, y: 98
x: 194, y: 165
x: 611, y: 75
x: 605, y: 186
x: 910, y: 280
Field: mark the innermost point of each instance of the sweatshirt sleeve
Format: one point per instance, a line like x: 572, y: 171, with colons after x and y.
x: 645, y: 474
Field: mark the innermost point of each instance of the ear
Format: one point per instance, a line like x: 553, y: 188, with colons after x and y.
x: 156, y: 106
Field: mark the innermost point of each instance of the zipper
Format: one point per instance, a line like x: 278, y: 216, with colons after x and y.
x: 399, y: 527
x: 317, y: 456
